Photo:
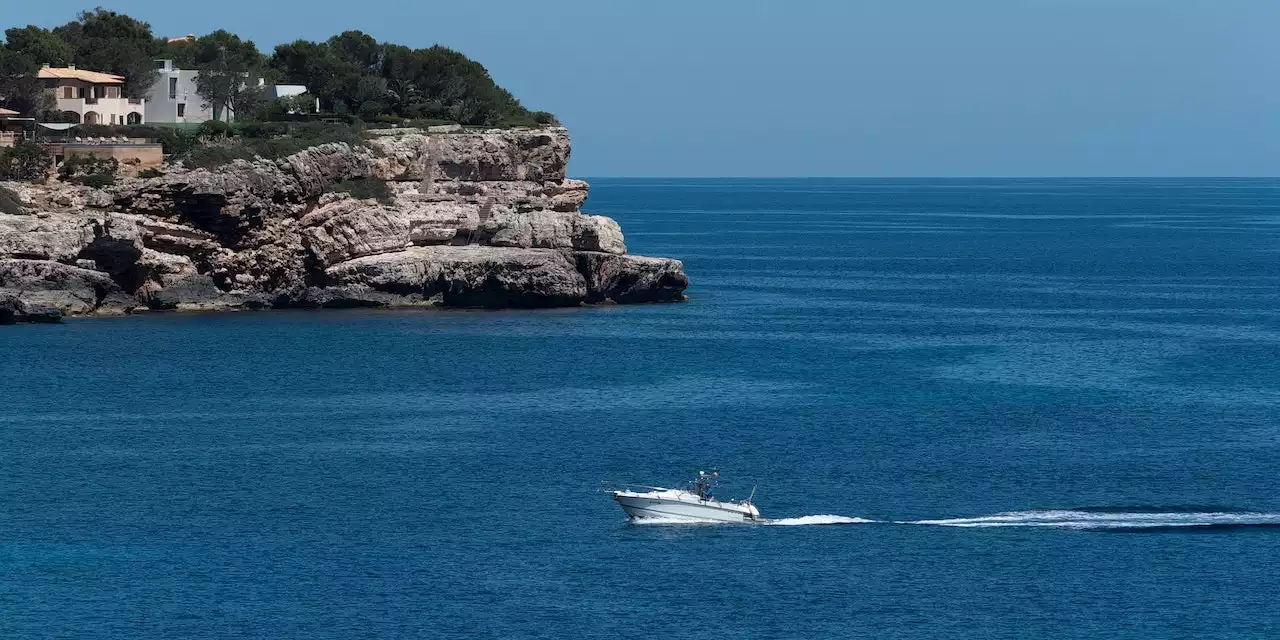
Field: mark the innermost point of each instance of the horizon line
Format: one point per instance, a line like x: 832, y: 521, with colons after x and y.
x: 1045, y: 177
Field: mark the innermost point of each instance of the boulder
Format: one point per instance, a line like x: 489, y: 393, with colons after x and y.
x: 513, y: 155
x: 58, y: 236
x: 469, y: 276
x: 14, y: 310
x: 632, y: 279
x: 327, y: 164
x: 193, y: 292
x: 553, y: 230
x: 347, y: 229
x: 70, y: 290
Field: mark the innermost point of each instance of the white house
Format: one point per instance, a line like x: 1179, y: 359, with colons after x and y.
x: 172, y: 99
x: 91, y: 97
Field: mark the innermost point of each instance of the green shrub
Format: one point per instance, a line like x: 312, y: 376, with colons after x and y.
x: 151, y: 172
x: 174, y: 140
x: 219, y: 154
x: 91, y: 171
x: 214, y: 130
x: 25, y: 161
x: 280, y: 139
x: 364, y: 189
x: 387, y: 122
x: 534, y: 120
x: 270, y: 140
x: 10, y: 203
x: 98, y: 180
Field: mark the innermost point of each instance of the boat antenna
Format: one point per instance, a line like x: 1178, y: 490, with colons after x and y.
x: 753, y: 493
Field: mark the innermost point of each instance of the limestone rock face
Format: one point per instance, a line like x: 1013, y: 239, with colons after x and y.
x: 14, y: 310
x: 347, y: 229
x: 49, y: 238
x: 470, y: 276
x: 470, y: 219
x: 631, y: 279
x: 499, y: 156
x: 71, y: 290
x: 554, y: 230
x: 327, y: 164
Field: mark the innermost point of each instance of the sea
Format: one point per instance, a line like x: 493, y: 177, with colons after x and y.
x: 969, y: 408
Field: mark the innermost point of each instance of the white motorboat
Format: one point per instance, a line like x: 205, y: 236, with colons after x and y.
x: 695, y: 504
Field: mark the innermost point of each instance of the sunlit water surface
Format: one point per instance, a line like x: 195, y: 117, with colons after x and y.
x: 988, y: 409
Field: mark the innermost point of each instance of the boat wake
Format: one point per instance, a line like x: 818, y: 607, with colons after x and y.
x: 816, y: 520
x: 1116, y: 519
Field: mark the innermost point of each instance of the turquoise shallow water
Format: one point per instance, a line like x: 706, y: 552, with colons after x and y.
x: 1058, y: 400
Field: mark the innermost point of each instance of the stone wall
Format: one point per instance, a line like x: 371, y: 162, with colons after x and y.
x: 140, y: 155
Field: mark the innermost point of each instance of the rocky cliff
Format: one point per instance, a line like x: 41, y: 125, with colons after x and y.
x: 473, y: 220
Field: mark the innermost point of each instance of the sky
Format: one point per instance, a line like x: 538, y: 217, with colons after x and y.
x: 862, y: 88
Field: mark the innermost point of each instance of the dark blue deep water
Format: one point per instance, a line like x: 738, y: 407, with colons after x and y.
x: 1059, y: 400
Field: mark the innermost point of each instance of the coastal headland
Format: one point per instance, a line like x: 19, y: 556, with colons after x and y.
x: 145, y: 173
x: 459, y: 219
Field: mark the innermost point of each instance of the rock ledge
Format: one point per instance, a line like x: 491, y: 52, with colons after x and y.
x: 474, y: 220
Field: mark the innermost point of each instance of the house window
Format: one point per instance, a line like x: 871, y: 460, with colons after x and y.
x: 182, y: 111
x: 68, y: 93
x: 173, y: 88
x: 113, y: 92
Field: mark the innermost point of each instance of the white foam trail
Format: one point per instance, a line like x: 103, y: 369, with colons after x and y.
x: 816, y: 520
x: 1107, y: 520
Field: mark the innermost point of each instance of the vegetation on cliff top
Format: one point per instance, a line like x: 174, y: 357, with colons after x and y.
x: 351, y: 74
x: 91, y: 171
x: 218, y: 143
x: 24, y: 161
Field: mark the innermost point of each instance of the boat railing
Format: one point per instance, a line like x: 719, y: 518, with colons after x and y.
x: 629, y: 486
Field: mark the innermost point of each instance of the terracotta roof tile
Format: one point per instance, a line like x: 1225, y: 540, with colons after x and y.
x: 60, y: 73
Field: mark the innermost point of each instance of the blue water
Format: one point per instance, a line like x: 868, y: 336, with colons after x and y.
x: 1060, y: 401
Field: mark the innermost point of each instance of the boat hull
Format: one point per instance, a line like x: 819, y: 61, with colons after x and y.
x: 641, y: 506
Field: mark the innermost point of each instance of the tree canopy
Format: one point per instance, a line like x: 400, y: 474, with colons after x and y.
x: 354, y: 73
x: 229, y: 70
x: 351, y: 73
x: 111, y: 42
x: 20, y: 89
